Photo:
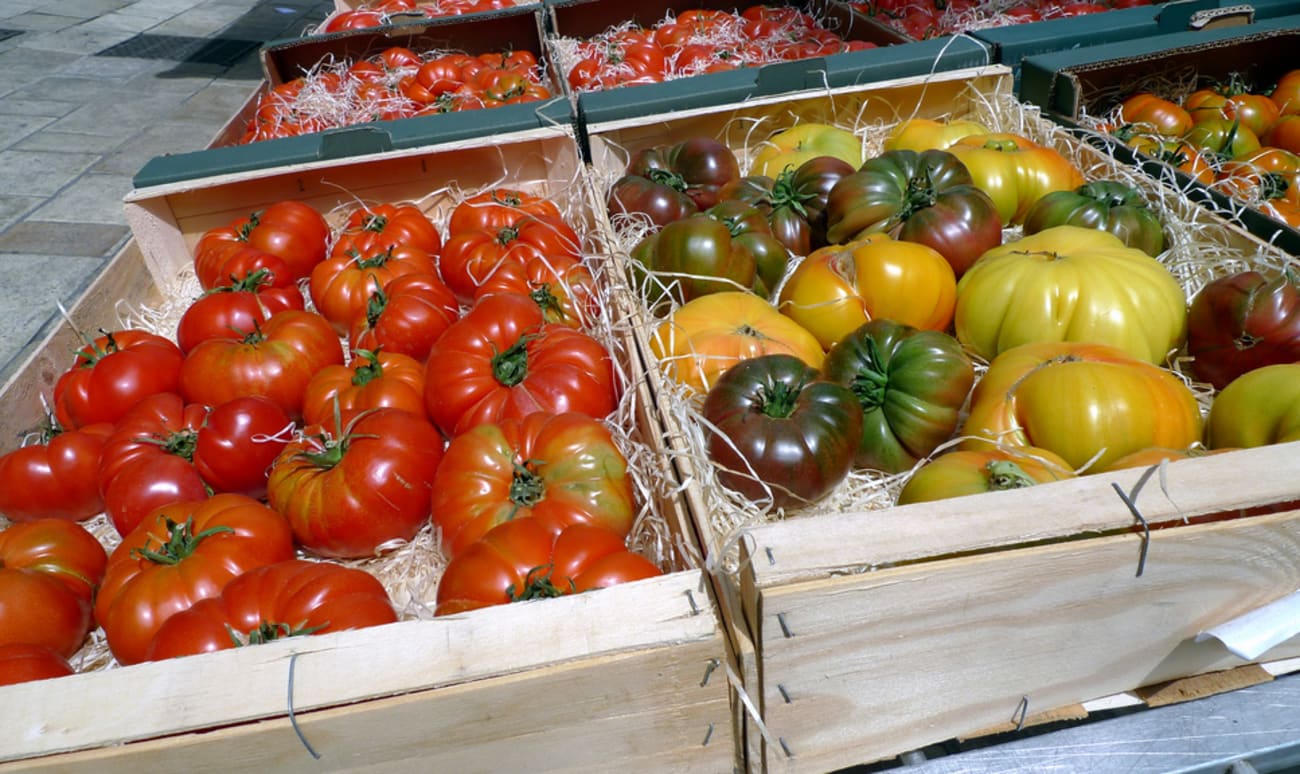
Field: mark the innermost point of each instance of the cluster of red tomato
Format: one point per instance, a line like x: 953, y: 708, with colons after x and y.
x: 699, y: 41
x: 476, y: 392
x: 1230, y: 136
x: 395, y: 83
x: 382, y: 12
x: 924, y: 19
x: 861, y: 355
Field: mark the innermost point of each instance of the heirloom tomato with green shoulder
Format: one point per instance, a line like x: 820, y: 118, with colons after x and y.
x: 964, y: 472
x: 1258, y: 408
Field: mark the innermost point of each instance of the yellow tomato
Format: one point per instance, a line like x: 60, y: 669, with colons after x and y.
x: 1015, y: 171
x: 920, y: 134
x: 1258, y: 408
x: 1070, y: 283
x: 975, y: 471
x: 708, y: 335
x: 839, y: 288
x: 793, y: 146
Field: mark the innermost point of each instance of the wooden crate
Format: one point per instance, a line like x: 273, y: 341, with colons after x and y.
x: 864, y: 630
x: 634, y: 676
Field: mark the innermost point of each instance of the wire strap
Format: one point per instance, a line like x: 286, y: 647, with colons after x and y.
x: 293, y: 721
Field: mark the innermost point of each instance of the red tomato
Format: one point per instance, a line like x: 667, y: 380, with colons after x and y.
x: 148, y: 460
x: 502, y: 360
x: 23, y: 662
x: 275, y: 361
x: 337, y: 394
x: 291, y: 230
x: 406, y: 316
x: 285, y: 599
x: 469, y: 257
x: 112, y: 374
x: 374, y: 229
x: 179, y: 554
x: 49, y: 570
x: 235, y: 309
x: 54, y: 477
x: 522, y: 559
x: 499, y: 208
x: 350, y: 494
x: 238, y: 262
x: 342, y: 284
x: 559, y: 469
x: 239, y: 441
x: 563, y: 287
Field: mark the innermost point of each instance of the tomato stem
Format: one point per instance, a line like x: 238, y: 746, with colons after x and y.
x: 870, y: 382
x: 778, y: 400
x: 537, y: 586
x: 526, y: 487
x: 510, y: 366
x: 369, y: 371
x: 268, y: 631
x: 375, y: 305
x: 1004, y: 474
x: 181, y: 542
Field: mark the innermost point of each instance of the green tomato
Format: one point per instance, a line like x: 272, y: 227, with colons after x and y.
x: 1106, y: 205
x: 1258, y: 408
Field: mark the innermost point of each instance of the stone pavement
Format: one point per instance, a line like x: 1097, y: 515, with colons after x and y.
x: 91, y: 90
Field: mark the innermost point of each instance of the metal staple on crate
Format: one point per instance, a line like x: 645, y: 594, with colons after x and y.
x: 1022, y: 711
x: 293, y: 720
x: 1130, y: 501
x: 709, y: 669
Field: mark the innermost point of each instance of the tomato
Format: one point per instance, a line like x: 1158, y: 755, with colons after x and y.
x: 49, y: 571
x: 112, y: 374
x: 1286, y: 93
x: 23, y: 662
x: 238, y: 442
x: 838, y: 288
x: 657, y: 177
x: 1156, y: 455
x: 795, y: 201
x: 555, y: 468
x: 235, y: 309
x: 148, y: 460
x: 1069, y: 283
x: 376, y: 228
x: 470, y: 257
x: 406, y: 316
x: 778, y: 432
x: 338, y: 393
x: 276, y: 360
x: 179, y: 554
x: 523, y: 559
x: 351, y: 493
x: 1223, y: 138
x: 794, y: 146
x: 286, y: 599
x: 1088, y: 403
x: 1155, y: 114
x: 241, y: 260
x: 1015, y: 171
x: 693, y: 257
x: 341, y: 285
x: 919, y: 134
x: 1241, y: 322
x: 707, y: 336
x: 54, y: 476
x: 1106, y: 205
x: 911, y: 385
x: 1258, y: 408
x: 1285, y: 133
x: 927, y: 197
x: 562, y: 287
x: 503, y: 360
x: 498, y: 208
x: 602, y: 64
x: 975, y: 471
x: 291, y: 230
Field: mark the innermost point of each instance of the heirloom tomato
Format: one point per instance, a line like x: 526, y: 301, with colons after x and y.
x: 148, y: 461
x: 351, y: 492
x: 112, y: 374
x: 556, y: 469
x: 235, y: 309
x: 523, y: 559
x: 498, y: 208
x: 503, y: 360
x: 1222, y: 138
x: 470, y: 257
x: 292, y: 598
x: 976, y: 471
x: 290, y: 230
x: 1258, y: 408
x: 631, y: 58
x: 1196, y: 163
x: 375, y: 229
x: 371, y: 380
x: 794, y: 202
x: 276, y: 360
x: 1015, y: 171
x: 926, y: 197
x: 707, y: 336
x: 1156, y: 114
x: 238, y: 442
x: 667, y: 182
x: 838, y: 288
x: 1286, y: 93
x: 22, y: 662
x: 1156, y: 455
x: 406, y: 316
x: 38, y: 610
x: 1285, y: 134
x: 1089, y: 403
x: 778, y: 432
x: 58, y: 549
x: 911, y: 385
x: 179, y: 554
x: 342, y: 284
x: 920, y: 134
x: 563, y: 287
x: 1283, y: 210
x: 790, y: 148
x: 1241, y: 322
x: 1069, y: 283
x: 1106, y: 205
x: 54, y: 476
x: 690, y: 258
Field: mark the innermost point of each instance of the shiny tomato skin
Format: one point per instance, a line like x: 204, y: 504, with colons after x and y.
x: 503, y: 360
x: 964, y: 472
x: 24, y: 662
x: 690, y: 258
x: 1106, y: 205
x: 290, y: 598
x: 499, y: 208
x: 1015, y: 171
x: 49, y: 571
x: 341, y: 285
x: 371, y: 380
x: 60, y: 549
x: 697, y: 167
x: 1160, y: 115
x: 1241, y: 322
x: 406, y: 316
x: 560, y: 469
x: 112, y: 374
x: 373, y: 229
x: 795, y: 200
x: 238, y: 442
x: 179, y: 554
x: 1258, y: 408
x: 564, y: 288
x: 471, y: 256
x: 55, y: 476
x: 348, y: 495
x: 291, y: 230
x: 234, y: 309
x: 780, y: 433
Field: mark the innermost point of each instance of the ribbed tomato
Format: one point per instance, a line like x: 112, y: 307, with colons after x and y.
x: 337, y: 394
x: 112, y: 374
x: 54, y: 476
x: 406, y: 315
x: 964, y: 472
x: 1241, y: 322
x: 289, y: 229
x: 342, y: 284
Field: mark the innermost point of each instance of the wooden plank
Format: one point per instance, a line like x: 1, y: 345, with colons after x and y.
x: 1198, y: 686
x: 861, y: 668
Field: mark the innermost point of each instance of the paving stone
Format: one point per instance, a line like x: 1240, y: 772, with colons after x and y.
x: 14, y: 208
x: 72, y: 90
x: 15, y: 127
x: 59, y: 279
x: 218, y: 102
x: 44, y: 173
x: 40, y: 21
x: 35, y: 107
x: 92, y: 198
x: 118, y: 114
x: 24, y: 65
x: 13, y: 8
x: 113, y: 68
x: 82, y: 240
x: 47, y: 140
x: 175, y: 136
